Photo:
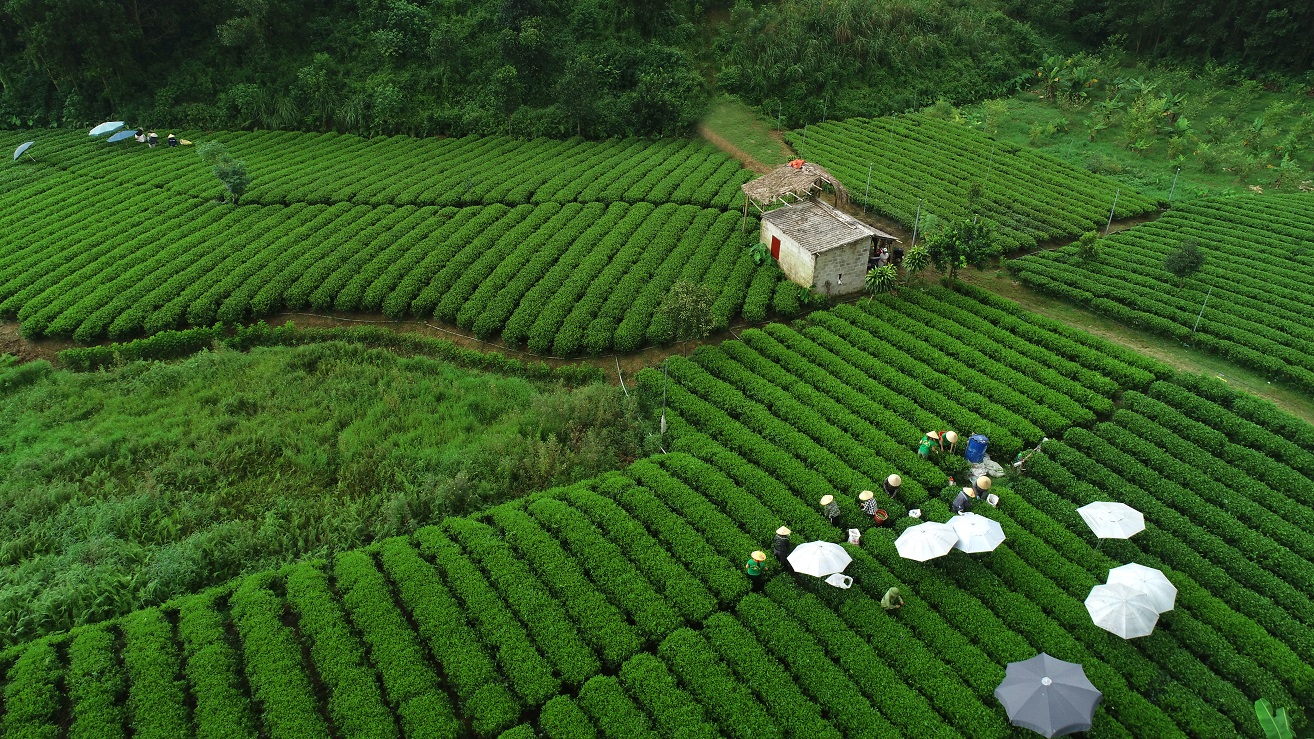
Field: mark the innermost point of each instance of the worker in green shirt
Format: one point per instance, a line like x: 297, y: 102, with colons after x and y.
x: 892, y: 600
x: 755, y: 568
x: 930, y: 441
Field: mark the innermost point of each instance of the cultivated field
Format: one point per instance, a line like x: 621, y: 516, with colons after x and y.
x: 570, y: 248
x: 1029, y: 197
x: 1258, y: 276
x: 617, y: 607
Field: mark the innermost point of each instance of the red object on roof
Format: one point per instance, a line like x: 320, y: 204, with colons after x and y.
x: 797, y: 164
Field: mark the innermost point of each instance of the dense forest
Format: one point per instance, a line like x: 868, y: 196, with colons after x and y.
x: 592, y: 68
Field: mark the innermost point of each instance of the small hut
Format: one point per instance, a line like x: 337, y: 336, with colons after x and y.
x: 817, y: 245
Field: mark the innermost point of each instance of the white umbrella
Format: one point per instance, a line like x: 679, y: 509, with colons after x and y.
x: 976, y: 533
x: 819, y: 558
x: 1156, y: 585
x: 1112, y: 520
x: 22, y: 148
x: 106, y: 128
x: 1122, y: 611
x: 926, y: 541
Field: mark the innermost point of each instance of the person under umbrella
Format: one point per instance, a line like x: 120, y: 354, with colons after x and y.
x: 891, y: 486
x: 964, y: 501
x: 140, y: 136
x: 831, y: 510
x: 755, y: 568
x: 781, y: 548
x: 892, y: 600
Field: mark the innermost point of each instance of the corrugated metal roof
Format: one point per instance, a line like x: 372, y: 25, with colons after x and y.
x: 818, y: 227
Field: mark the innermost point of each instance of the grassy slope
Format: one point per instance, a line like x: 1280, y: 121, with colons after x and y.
x: 746, y: 130
x: 1221, y: 116
x: 127, y: 487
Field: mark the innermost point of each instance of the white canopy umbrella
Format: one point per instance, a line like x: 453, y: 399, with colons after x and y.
x: 106, y: 128
x: 1153, y: 583
x: 819, y: 558
x: 1122, y: 610
x: 976, y: 533
x: 1112, y: 520
x: 926, y: 541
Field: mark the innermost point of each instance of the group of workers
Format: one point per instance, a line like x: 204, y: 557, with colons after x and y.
x: 151, y: 139
x: 781, y: 548
x: 969, y: 496
x: 934, y: 441
x: 940, y: 442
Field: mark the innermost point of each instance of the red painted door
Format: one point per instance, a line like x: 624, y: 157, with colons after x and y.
x: 775, y: 248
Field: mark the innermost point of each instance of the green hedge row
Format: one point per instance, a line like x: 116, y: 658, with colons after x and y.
x: 274, y: 667
x: 484, y: 695
x: 545, y: 620
x: 621, y: 580
x: 156, y: 702
x: 673, y: 711
x: 411, y: 685
x: 32, y: 695
x: 497, y: 627
x: 600, y: 623
x: 94, y: 681
x: 222, y: 709
x: 355, y: 702
x: 174, y: 344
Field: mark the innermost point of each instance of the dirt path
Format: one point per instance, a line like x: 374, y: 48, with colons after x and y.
x: 724, y: 145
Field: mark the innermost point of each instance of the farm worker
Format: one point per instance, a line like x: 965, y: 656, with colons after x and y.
x: 831, y: 510
x: 952, y: 438
x: 172, y: 140
x: 891, y: 486
x: 152, y: 139
x: 929, y: 441
x: 781, y: 548
x: 755, y: 567
x: 867, y: 499
x: 892, y: 600
x: 981, y: 485
x: 964, y: 502
x: 140, y: 136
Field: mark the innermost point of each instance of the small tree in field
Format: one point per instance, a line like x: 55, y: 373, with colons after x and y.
x: 1184, y: 261
x: 760, y: 253
x: 881, y: 279
x: 230, y: 172
x: 916, y: 260
x: 689, y: 306
x: 959, y: 244
x: 1088, y: 246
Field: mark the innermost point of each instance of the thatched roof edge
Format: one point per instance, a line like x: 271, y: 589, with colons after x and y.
x: 786, y: 180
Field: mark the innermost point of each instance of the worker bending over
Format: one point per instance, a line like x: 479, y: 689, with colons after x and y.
x: 963, y: 502
x: 891, y: 486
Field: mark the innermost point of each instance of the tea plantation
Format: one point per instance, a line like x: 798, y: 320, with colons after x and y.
x: 617, y: 607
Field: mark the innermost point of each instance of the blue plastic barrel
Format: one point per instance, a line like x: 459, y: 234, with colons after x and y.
x: 976, y: 448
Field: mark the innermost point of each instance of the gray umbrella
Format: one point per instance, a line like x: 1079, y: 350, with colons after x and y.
x: 120, y: 136
x: 1048, y: 696
x: 22, y: 148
